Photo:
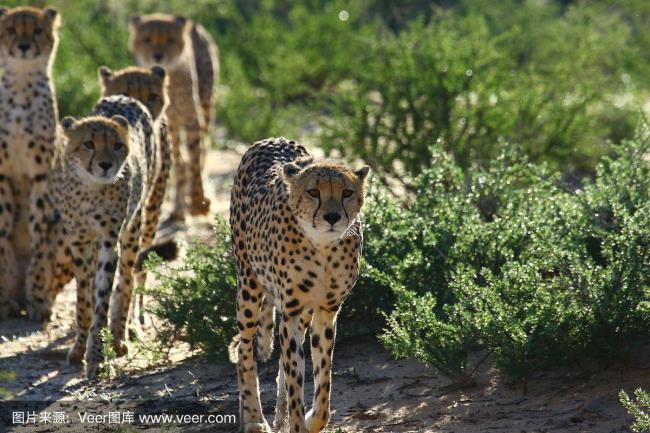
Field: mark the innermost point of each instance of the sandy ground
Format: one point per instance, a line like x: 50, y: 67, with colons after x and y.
x: 372, y: 392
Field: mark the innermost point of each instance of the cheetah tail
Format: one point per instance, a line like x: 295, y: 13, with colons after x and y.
x: 232, y: 349
x: 167, y: 250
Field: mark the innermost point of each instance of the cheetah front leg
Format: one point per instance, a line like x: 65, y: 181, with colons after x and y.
x: 249, y: 301
x: 151, y: 217
x: 200, y: 204
x: 128, y: 248
x: 280, y: 420
x: 40, y: 270
x: 206, y: 112
x: 292, y: 334
x: 280, y: 423
x: 8, y: 265
x: 84, y: 266
x: 107, y: 259
x: 180, y: 174
x: 62, y: 259
x: 322, y: 332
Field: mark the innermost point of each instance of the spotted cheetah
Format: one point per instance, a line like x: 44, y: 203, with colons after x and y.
x: 297, y: 238
x: 100, y: 186
x: 28, y: 43
x: 149, y: 86
x: 189, y: 54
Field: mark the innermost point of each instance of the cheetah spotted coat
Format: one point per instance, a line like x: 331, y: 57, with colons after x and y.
x: 279, y: 268
x: 104, y: 229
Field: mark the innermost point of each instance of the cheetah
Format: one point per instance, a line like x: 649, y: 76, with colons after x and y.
x: 297, y: 238
x: 100, y: 186
x: 189, y: 54
x: 28, y: 44
x: 149, y: 86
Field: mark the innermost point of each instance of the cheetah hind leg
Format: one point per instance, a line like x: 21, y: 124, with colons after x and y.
x: 136, y: 318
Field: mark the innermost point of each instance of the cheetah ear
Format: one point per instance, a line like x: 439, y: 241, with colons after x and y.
x: 304, y: 161
x: 134, y: 20
x: 363, y: 172
x: 180, y: 20
x: 290, y: 170
x: 120, y: 120
x: 105, y: 74
x: 68, y: 123
x: 158, y: 72
x: 51, y: 13
x: 3, y: 10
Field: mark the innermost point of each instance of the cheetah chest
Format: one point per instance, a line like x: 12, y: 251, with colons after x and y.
x: 29, y: 117
x: 303, y: 275
x: 88, y: 210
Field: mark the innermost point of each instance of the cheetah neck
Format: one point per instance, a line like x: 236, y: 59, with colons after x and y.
x: 22, y: 72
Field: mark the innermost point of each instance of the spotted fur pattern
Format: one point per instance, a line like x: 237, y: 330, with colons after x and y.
x: 149, y: 86
x: 280, y: 265
x: 105, y: 229
x: 189, y: 54
x: 28, y: 113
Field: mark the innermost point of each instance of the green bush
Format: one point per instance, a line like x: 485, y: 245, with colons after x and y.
x: 541, y: 75
x: 197, y: 301
x: 535, y: 275
x: 416, y: 331
x: 639, y: 408
x: 465, y: 84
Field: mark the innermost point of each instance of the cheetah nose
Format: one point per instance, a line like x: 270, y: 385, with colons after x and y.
x: 332, y: 217
x: 158, y: 57
x: 23, y: 47
x: 105, y: 165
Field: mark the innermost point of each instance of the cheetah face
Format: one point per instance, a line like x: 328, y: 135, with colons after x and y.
x: 148, y: 86
x: 158, y: 39
x: 28, y: 33
x: 97, y: 146
x: 324, y: 197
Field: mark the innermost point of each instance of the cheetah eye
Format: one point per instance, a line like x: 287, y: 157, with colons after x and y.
x: 38, y: 30
x: 89, y: 145
x: 314, y: 193
x: 11, y: 30
x: 146, y: 40
x: 118, y: 146
x: 170, y: 41
x: 347, y: 193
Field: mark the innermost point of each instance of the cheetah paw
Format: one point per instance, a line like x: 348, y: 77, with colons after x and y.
x: 92, y: 370
x: 75, y: 355
x: 257, y: 427
x: 314, y: 425
x: 40, y: 314
x: 200, y: 207
x: 120, y: 348
x: 280, y: 425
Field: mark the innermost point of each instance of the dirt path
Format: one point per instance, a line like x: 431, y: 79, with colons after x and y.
x: 372, y: 392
